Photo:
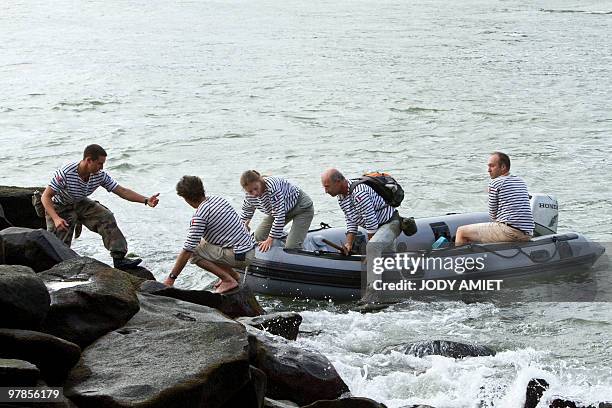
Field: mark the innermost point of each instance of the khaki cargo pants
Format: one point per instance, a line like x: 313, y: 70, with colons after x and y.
x: 301, y: 214
x: 96, y: 218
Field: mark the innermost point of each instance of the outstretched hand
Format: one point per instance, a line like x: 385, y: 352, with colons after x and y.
x: 153, y: 200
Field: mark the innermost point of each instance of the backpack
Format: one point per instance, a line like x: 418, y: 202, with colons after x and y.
x: 384, y: 185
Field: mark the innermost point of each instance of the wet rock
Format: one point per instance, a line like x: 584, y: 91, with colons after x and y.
x: 352, y: 402
x: 53, y: 356
x: 535, y: 390
x: 284, y: 324
x: 252, y: 395
x: 18, y: 209
x: 103, y: 300
x: 293, y: 373
x: 371, y: 307
x: 238, y: 303
x: 18, y: 373
x: 38, y: 249
x: 171, y: 354
x: 24, y: 299
x: 270, y: 403
x: 141, y: 272
x: 558, y: 403
x: 4, y: 223
x: 446, y: 348
x: 417, y: 406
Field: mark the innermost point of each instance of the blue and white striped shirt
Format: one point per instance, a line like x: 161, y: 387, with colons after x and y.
x: 364, y: 208
x: 218, y: 223
x: 279, y: 198
x: 509, y: 203
x: 70, y: 188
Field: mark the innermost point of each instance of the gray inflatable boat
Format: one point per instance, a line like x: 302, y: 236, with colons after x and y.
x: 318, y: 271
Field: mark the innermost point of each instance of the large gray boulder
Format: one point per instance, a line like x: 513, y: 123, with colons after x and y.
x: 351, y: 402
x: 36, y: 248
x: 284, y: 324
x: 240, y: 302
x: 252, y: 395
x: 445, y: 348
x: 171, y: 354
x: 53, y: 356
x: 103, y: 299
x: 18, y: 373
x: 24, y: 299
x: 18, y: 209
x: 293, y: 373
x: 270, y: 403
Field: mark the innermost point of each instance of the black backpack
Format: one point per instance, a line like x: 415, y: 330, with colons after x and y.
x: 384, y: 185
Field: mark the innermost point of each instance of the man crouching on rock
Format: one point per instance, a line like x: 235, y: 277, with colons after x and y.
x: 217, y: 241
x: 66, y: 204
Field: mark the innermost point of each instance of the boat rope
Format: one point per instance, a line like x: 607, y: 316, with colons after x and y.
x: 519, y: 250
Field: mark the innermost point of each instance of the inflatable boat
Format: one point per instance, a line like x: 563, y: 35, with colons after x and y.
x: 320, y: 271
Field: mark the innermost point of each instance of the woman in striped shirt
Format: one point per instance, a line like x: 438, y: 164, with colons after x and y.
x: 282, y: 202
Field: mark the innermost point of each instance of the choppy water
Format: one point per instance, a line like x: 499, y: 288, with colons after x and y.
x: 422, y: 89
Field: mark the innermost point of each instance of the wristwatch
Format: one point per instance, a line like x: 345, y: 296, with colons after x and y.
x: 171, y: 276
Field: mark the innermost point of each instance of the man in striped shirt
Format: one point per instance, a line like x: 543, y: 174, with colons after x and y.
x: 217, y: 240
x: 66, y: 203
x: 362, y: 207
x: 509, y: 208
x: 282, y: 202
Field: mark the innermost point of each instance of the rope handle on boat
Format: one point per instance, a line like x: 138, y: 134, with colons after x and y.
x: 519, y: 250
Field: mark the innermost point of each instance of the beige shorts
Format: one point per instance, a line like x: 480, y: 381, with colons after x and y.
x: 220, y: 255
x: 496, y: 232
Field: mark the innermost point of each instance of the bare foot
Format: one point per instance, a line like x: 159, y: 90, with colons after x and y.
x: 226, y: 286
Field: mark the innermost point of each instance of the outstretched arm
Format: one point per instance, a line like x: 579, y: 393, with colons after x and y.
x: 179, y: 265
x: 133, y: 196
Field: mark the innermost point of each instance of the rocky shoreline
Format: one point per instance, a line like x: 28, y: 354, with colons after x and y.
x: 117, y: 339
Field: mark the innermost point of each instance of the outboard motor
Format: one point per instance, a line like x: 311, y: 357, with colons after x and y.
x: 545, y: 211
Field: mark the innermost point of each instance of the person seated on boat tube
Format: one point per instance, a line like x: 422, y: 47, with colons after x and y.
x: 362, y: 207
x: 509, y: 208
x: 282, y: 202
x: 217, y: 240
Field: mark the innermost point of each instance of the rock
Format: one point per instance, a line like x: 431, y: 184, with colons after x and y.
x: 104, y: 300
x: 18, y: 373
x: 4, y: 223
x: 558, y: 403
x: 141, y: 272
x: 18, y: 208
x: 270, y: 403
x: 38, y: 249
x: 293, y: 373
x: 284, y: 324
x: 535, y: 390
x: 352, y: 402
x: 24, y: 299
x: 252, y: 395
x: 417, y: 406
x: 238, y: 303
x: 446, y: 348
x: 53, y: 356
x: 171, y: 354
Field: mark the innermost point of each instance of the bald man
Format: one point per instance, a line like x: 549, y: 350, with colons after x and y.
x: 362, y: 207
